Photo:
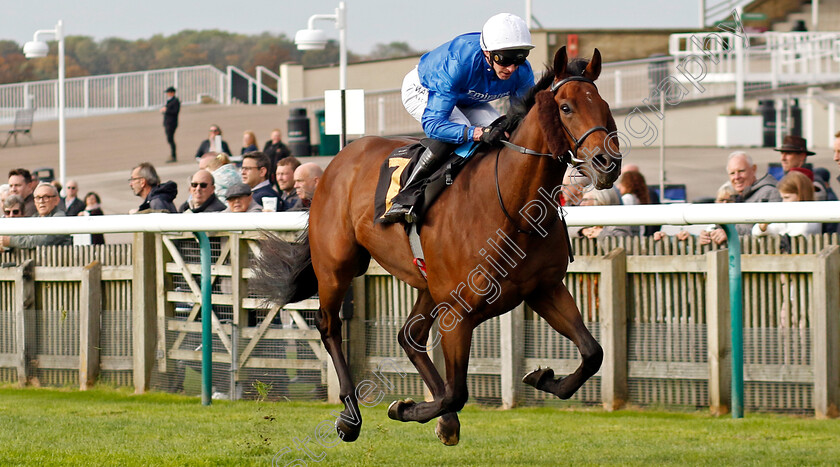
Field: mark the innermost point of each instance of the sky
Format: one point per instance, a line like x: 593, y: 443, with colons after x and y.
x: 423, y: 24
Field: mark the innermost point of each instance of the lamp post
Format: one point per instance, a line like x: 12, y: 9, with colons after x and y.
x: 315, y: 39
x: 36, y: 49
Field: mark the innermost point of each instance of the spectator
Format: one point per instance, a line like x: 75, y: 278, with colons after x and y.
x: 93, y: 207
x: 608, y: 197
x: 255, y: 174
x: 46, y: 203
x: 146, y: 184
x: 286, y: 180
x: 224, y: 172
x: 275, y: 149
x: 725, y: 194
x: 71, y: 204
x: 13, y: 206
x: 20, y: 183
x: 748, y: 189
x: 249, y: 142
x: 633, y: 188
x: 209, y: 144
x: 240, y: 199
x: 202, y: 195
x: 170, y: 113
x: 793, y: 187
x: 653, y: 198
x: 794, y: 151
x: 4, y: 192
x: 306, y: 180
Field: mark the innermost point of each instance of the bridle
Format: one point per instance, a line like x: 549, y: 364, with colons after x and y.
x: 569, y: 158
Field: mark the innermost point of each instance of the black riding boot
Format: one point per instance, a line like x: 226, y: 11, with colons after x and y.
x: 427, y: 164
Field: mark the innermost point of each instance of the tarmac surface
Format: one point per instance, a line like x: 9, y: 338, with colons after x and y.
x: 102, y: 150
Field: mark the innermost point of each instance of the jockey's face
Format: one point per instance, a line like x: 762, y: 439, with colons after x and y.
x: 505, y: 62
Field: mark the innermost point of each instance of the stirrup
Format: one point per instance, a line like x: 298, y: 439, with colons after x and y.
x: 399, y: 213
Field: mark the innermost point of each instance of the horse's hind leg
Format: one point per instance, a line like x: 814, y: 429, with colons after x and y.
x: 334, y: 277
x: 558, y: 308
x: 413, y: 337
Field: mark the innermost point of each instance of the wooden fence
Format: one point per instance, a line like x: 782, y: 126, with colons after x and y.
x: 128, y: 314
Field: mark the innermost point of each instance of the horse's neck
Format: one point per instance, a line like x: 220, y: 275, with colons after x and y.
x: 533, y: 171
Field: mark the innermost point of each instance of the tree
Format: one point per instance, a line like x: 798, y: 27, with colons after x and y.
x: 392, y: 50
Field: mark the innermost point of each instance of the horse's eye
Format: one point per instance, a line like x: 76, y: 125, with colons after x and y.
x: 566, y: 109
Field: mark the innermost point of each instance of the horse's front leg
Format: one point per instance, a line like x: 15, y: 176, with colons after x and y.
x: 413, y: 337
x: 455, y: 341
x: 558, y: 308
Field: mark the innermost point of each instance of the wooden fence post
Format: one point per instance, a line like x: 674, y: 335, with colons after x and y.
x: 512, y: 336
x: 25, y: 322
x: 825, y: 328
x: 90, y: 310
x: 613, y: 298
x: 143, y: 297
x: 718, y: 331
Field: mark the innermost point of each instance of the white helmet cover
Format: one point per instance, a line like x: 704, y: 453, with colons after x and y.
x: 505, y: 31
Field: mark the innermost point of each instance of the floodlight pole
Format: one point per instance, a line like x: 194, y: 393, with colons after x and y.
x: 58, y: 33
x: 340, y: 20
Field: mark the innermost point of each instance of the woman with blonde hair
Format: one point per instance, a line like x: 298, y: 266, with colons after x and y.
x: 795, y: 186
x: 249, y: 142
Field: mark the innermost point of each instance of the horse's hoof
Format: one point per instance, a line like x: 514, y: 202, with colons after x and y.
x: 448, y: 431
x: 347, y: 432
x: 538, y: 377
x: 396, y: 409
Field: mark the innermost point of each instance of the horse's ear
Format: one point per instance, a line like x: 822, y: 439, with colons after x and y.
x: 560, y: 63
x: 593, y: 69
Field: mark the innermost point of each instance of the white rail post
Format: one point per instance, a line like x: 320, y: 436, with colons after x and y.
x: 618, y: 89
x: 380, y: 112
x: 832, y: 123
x: 809, y: 117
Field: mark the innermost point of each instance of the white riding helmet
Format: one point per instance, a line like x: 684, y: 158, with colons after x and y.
x: 505, y: 31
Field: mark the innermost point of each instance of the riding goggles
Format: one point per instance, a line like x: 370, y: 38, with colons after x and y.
x: 509, y: 57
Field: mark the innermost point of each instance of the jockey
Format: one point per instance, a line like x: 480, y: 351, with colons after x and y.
x: 450, y: 90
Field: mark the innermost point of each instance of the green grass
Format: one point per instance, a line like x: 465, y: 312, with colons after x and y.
x: 113, y: 427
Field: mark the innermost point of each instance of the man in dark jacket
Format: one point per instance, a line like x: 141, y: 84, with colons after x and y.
x: 202, y: 195
x: 170, y: 120
x: 157, y: 197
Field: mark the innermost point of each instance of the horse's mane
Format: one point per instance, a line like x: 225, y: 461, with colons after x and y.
x: 520, y: 108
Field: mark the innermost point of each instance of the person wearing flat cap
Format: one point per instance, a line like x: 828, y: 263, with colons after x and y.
x: 170, y: 120
x: 239, y: 199
x: 794, y: 151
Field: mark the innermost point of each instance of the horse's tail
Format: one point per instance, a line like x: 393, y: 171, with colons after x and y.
x: 283, y: 271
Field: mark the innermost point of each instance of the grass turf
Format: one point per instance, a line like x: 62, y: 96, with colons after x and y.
x: 113, y: 427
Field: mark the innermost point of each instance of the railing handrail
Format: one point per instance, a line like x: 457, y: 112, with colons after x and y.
x: 672, y: 214
x: 113, y: 75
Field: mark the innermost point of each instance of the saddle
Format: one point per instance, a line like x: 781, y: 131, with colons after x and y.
x: 422, y: 193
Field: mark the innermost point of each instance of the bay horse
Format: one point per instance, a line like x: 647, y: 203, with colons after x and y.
x: 486, y: 249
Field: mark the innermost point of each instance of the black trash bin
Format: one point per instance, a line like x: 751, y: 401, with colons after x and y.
x: 299, y: 140
x: 767, y: 109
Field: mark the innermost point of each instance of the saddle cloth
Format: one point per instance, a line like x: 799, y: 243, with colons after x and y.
x: 399, y: 165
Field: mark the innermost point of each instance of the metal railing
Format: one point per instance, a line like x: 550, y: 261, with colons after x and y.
x: 115, y: 93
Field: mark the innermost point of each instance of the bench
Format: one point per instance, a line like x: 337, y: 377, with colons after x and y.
x: 23, y: 125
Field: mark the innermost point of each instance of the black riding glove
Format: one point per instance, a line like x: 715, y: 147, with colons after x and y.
x: 492, y: 134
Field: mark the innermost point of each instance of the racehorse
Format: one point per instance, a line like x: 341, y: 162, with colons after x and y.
x: 488, y: 246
